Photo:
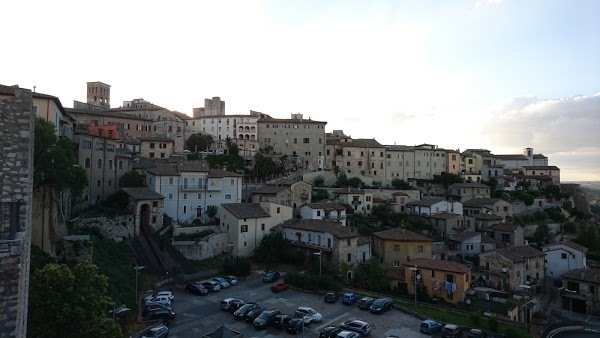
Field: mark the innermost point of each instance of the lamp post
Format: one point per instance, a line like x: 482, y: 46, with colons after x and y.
x: 137, y: 269
x: 319, y: 254
x: 303, y: 324
x: 416, y: 277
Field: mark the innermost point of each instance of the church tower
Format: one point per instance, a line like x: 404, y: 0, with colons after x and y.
x: 98, y: 94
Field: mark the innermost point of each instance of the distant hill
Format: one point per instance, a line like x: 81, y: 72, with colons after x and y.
x: 594, y: 185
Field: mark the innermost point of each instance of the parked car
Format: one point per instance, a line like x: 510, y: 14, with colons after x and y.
x: 168, y: 294
x: 349, y: 298
x: 242, y: 311
x: 451, y: 331
x: 231, y: 279
x: 224, y: 284
x: 362, y: 327
x: 211, y: 285
x: 252, y: 314
x: 348, y: 334
x: 164, y: 315
x: 311, y: 315
x: 164, y: 300
x: 279, y: 286
x: 266, y: 318
x: 477, y: 333
x: 281, y: 321
x: 330, y: 332
x: 331, y: 297
x: 155, y: 307
x: 227, y: 304
x: 381, y: 305
x: 160, y: 331
x: 272, y: 276
x: 430, y: 326
x: 196, y: 289
x: 295, y: 325
x: 365, y: 303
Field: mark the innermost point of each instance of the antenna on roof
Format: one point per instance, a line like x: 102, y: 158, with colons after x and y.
x: 34, y: 89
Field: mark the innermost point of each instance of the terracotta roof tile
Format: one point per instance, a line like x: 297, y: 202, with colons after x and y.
x: 401, y: 234
x: 585, y: 275
x: 436, y: 264
x: 268, y: 190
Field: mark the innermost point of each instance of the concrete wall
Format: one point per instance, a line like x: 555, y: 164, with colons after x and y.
x: 115, y: 228
x: 16, y: 180
x: 208, y: 247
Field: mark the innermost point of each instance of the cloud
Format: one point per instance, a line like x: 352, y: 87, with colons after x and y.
x: 567, y: 130
x: 480, y: 3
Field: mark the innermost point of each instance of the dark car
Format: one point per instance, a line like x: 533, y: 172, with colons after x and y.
x: 329, y: 332
x: 331, y: 297
x: 232, y: 280
x: 431, y: 326
x: 164, y: 315
x: 365, y: 303
x: 349, y: 298
x: 381, y: 305
x: 280, y: 321
x: 279, y: 286
x: 196, y: 289
x: 231, y: 304
x: 477, y: 333
x: 451, y: 331
x: 295, y: 325
x: 272, y: 276
x: 252, y: 314
x: 160, y: 331
x: 153, y: 308
x: 241, y: 312
x: 265, y: 318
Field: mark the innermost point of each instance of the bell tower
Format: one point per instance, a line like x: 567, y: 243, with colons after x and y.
x: 98, y: 94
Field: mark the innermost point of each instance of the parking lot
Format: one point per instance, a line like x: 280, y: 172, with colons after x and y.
x: 198, y: 315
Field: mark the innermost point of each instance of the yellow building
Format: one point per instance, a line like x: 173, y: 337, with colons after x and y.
x: 441, y: 279
x: 398, y: 245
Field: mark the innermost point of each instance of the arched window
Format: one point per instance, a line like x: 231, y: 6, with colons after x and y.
x: 88, y: 162
x: 99, y: 164
x: 110, y: 164
x: 121, y: 165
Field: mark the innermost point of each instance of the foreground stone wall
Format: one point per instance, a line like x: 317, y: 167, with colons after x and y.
x: 16, y: 182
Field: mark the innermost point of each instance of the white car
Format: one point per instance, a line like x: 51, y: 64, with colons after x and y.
x: 168, y: 294
x: 157, y: 332
x: 311, y: 315
x: 163, y: 300
x: 348, y: 334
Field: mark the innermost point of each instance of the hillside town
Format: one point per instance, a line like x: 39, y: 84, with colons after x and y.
x: 470, y: 228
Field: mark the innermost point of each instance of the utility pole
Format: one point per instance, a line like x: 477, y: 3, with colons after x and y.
x: 415, y: 269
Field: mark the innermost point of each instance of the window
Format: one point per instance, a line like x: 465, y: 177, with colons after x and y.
x: 295, y: 140
x: 349, y: 257
x: 420, y: 248
x: 396, y: 247
x: 432, y: 273
x: 306, y: 140
x: 121, y: 165
x: 563, y: 255
x: 151, y: 154
x: 244, y: 228
x: 153, y: 219
x: 262, y: 227
x: 185, y: 196
x: 110, y: 164
x: 170, y: 195
x: 110, y: 183
x: 396, y: 264
x: 87, y: 162
x: 152, y: 145
x: 99, y: 183
x: 318, y: 212
x: 170, y: 180
x: 278, y: 210
x: 87, y: 144
x: 348, y: 241
x: 310, y: 237
x: 185, y: 209
x: 228, y: 197
x: 99, y: 164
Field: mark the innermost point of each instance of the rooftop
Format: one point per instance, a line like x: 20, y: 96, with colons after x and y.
x: 142, y: 194
x: 401, y: 234
x: 436, y: 264
x: 316, y: 225
x: 326, y: 206
x: 585, y: 275
x: 245, y: 210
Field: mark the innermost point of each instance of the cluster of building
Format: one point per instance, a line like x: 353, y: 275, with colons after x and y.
x: 145, y: 138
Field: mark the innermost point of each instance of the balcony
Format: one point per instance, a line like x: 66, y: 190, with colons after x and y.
x: 192, y: 188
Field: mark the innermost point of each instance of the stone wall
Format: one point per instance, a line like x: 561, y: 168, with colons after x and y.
x: 76, y: 248
x: 16, y: 180
x: 208, y: 247
x: 116, y: 228
x: 177, y: 230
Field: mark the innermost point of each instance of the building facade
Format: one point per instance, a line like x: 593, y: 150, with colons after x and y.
x: 395, y: 246
x: 562, y: 257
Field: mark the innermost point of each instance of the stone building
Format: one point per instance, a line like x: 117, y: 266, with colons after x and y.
x: 98, y: 94
x: 16, y: 178
x: 302, y: 140
x: 395, y: 246
x: 509, y: 268
x: 580, y: 291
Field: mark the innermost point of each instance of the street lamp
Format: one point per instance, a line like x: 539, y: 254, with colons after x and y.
x: 137, y: 269
x: 319, y: 254
x: 416, y: 278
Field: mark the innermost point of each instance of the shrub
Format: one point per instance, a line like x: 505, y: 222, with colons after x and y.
x: 238, y: 267
x: 476, y: 317
x: 493, y: 324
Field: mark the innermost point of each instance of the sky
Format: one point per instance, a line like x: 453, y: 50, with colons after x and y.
x: 501, y: 75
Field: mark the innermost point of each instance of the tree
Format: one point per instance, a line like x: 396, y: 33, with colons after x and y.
x: 342, y: 180
x: 227, y: 162
x: 211, y: 212
x: 542, y: 235
x: 232, y: 148
x: 67, y: 302
x: 319, y: 194
x: 319, y: 180
x: 55, y: 165
x: 271, y: 248
x: 132, y: 180
x: 447, y: 179
x: 199, y: 142
x: 400, y: 184
x: 355, y: 182
x: 264, y: 166
x: 371, y: 276
x: 527, y: 199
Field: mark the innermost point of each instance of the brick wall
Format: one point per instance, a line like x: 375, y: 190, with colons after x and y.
x: 16, y: 180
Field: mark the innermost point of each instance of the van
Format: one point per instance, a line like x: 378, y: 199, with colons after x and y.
x: 211, y: 285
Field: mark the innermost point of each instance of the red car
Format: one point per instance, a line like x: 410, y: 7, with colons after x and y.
x: 279, y: 286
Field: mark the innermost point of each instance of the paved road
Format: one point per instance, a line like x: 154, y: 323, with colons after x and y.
x: 576, y: 334
x: 198, y: 315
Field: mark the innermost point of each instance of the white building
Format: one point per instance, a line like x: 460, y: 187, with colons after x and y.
x: 247, y: 223
x: 324, y: 211
x: 563, y: 257
x: 360, y: 200
x: 190, y: 188
x: 434, y: 206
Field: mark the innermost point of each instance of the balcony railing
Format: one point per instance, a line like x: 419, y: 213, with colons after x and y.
x: 310, y: 245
